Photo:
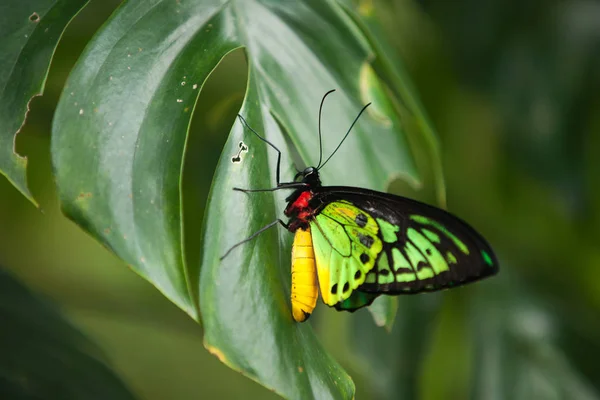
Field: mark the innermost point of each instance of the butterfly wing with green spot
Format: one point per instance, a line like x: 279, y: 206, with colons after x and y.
x: 345, y: 252
x: 418, y: 247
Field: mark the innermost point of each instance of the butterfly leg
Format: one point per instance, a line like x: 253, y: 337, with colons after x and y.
x: 255, y: 234
x: 287, y: 185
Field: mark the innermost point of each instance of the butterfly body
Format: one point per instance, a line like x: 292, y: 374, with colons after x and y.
x: 304, y: 276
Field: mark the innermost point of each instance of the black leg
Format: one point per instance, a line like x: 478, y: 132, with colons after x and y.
x: 287, y: 185
x: 255, y: 234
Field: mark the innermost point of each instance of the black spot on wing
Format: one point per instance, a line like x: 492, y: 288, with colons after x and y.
x: 364, y: 258
x: 334, y: 289
x: 361, y: 220
x: 366, y: 240
x: 421, y: 265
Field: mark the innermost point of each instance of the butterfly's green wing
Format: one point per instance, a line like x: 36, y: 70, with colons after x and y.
x: 345, y: 252
x: 378, y: 243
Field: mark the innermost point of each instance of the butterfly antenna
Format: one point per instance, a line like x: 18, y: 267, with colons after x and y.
x: 267, y: 142
x: 345, y: 136
x: 320, y: 135
x: 256, y: 133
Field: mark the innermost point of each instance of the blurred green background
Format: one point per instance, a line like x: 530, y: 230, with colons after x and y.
x: 513, y: 88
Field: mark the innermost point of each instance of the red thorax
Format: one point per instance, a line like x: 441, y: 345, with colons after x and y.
x: 300, y: 208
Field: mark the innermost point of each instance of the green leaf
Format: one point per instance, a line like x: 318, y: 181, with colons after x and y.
x: 30, y: 31
x: 119, y: 136
x: 120, y: 130
x: 391, y: 360
x: 245, y: 298
x: 422, y: 137
x: 43, y: 356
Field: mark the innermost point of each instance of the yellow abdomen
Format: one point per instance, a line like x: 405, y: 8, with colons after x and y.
x: 304, y: 276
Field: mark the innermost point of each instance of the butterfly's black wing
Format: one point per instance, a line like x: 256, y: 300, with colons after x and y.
x: 424, y: 248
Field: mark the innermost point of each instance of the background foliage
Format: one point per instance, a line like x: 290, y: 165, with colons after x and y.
x: 512, y: 88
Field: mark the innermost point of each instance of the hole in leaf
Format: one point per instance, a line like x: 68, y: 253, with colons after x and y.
x: 238, y: 157
x: 34, y: 17
x: 215, y: 113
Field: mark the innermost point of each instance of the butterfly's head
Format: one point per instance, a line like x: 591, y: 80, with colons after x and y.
x: 310, y: 175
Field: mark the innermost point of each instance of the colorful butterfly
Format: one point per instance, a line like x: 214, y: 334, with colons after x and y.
x: 356, y: 244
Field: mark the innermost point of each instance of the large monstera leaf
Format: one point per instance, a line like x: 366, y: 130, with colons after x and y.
x: 119, y: 137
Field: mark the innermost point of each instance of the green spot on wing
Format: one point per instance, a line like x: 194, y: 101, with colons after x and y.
x: 388, y: 231
x: 435, y: 259
x: 399, y: 260
x: 434, y: 237
x: 415, y: 257
x: 406, y: 277
x: 401, y: 263
x: 371, y: 277
x: 487, y: 258
x: 428, y: 221
x: 384, y: 265
x: 450, y: 258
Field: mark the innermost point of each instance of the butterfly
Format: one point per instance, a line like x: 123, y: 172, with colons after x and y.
x: 354, y: 244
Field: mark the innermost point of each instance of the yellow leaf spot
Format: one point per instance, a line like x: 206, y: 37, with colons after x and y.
x: 217, y: 353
